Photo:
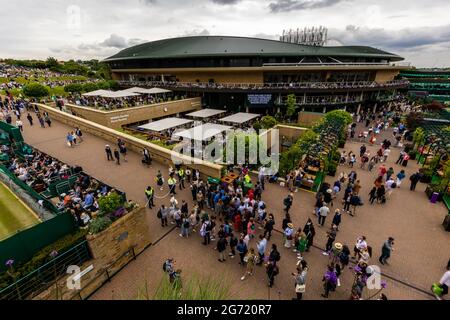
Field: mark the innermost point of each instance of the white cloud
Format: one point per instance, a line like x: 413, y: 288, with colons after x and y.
x: 415, y: 29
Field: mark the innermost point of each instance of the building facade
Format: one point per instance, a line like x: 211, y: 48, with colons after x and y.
x: 253, y: 74
x: 432, y: 84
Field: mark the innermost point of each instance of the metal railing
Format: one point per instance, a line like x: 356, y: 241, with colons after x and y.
x: 46, y: 275
x: 264, y: 86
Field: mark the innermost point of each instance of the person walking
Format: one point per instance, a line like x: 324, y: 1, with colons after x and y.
x: 331, y: 237
x: 221, y: 247
x: 160, y: 180
x: 249, y: 259
x: 272, y: 271
x: 268, y: 226
x: 185, y: 226
x: 310, y: 232
x: 323, y: 213
x: 147, y: 159
x: 233, y: 243
x: 30, y: 119
x: 117, y: 156
x: 381, y: 194
x: 123, y: 150
x: 288, y: 202
x: 386, y: 250
x: 373, y: 195
x: 300, y: 279
x: 205, y: 231
x: 79, y: 134
x: 440, y: 289
x: 288, y: 235
x: 69, y: 139
x: 181, y: 177
x: 172, y: 183
x: 47, y: 119
x: 337, y: 219
x: 261, y: 247
x: 149, y: 194
x: 329, y: 281
x: 242, y: 250
x: 41, y: 120
x: 163, y: 213
x: 414, y: 178
x: 400, y: 177
x: 108, y: 152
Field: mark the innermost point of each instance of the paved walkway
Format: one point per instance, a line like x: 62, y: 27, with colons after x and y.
x: 421, y: 249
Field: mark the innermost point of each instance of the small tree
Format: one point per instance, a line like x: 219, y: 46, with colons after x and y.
x: 35, y: 90
x: 87, y: 87
x: 291, y: 104
x: 268, y: 122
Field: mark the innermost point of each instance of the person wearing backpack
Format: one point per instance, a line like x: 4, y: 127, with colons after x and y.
x: 205, y: 232
x: 185, y: 225
x: 162, y: 214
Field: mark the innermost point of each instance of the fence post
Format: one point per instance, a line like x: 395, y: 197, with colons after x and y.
x: 107, y: 275
x: 134, y: 254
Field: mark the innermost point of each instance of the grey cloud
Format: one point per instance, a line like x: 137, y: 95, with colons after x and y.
x: 148, y: 2
x: 114, y: 41
x: 225, y: 2
x: 408, y: 38
x: 295, y: 5
x: 196, y: 32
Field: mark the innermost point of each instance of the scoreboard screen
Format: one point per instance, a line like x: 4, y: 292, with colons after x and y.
x: 259, y: 99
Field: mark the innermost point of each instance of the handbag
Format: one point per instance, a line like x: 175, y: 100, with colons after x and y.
x: 300, y: 288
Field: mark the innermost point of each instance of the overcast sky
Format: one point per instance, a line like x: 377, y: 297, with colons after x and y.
x: 418, y: 30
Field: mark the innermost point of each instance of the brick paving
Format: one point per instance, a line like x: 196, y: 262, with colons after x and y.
x: 421, y: 249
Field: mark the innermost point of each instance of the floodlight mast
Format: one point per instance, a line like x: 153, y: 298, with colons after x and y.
x: 315, y: 36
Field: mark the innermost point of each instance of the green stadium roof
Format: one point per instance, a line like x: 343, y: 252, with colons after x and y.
x: 211, y: 46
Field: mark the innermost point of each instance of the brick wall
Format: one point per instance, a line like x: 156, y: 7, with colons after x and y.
x: 107, y: 249
x: 117, y: 118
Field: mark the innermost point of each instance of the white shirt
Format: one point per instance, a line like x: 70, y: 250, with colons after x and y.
x: 389, y: 183
x: 324, y: 211
x: 445, y: 279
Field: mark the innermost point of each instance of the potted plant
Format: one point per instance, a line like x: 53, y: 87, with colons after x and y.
x: 332, y: 168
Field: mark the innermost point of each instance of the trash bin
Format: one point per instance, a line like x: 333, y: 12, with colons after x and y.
x: 434, y: 197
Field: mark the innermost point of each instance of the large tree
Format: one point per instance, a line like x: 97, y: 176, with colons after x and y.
x: 35, y: 90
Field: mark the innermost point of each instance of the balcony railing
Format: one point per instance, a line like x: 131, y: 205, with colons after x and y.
x: 270, y: 86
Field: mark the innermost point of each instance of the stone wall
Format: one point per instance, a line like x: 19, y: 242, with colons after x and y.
x: 110, y: 250
x: 159, y: 154
x: 117, y: 118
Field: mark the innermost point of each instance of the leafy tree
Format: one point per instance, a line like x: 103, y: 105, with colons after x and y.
x: 87, y: 87
x: 74, y: 87
x: 35, y: 90
x: 339, y: 116
x: 413, y: 120
x: 291, y: 105
x: 268, y: 122
x: 52, y: 63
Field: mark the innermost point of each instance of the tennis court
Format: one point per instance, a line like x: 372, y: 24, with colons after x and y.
x: 14, y: 215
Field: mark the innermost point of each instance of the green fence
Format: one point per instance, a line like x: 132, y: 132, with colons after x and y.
x: 22, y: 246
x: 46, y: 203
x: 38, y: 280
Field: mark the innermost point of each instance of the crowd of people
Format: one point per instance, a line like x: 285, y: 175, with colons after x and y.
x: 277, y: 85
x: 10, y: 75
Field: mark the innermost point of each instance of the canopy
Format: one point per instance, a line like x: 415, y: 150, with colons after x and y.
x: 137, y: 90
x: 96, y: 93
x: 120, y: 94
x: 165, y: 124
x: 205, y: 113
x: 147, y: 91
x: 203, y: 132
x: 240, y: 117
x: 157, y: 90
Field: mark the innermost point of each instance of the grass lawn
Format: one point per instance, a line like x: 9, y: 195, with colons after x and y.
x: 14, y: 215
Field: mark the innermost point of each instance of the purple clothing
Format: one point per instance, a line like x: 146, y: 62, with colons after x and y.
x: 331, y: 277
